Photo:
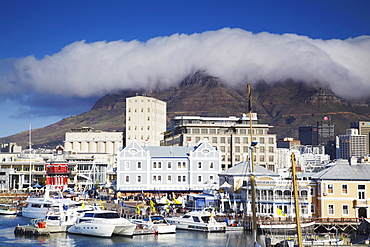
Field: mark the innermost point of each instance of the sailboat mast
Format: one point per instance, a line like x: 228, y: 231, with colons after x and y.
x: 252, y: 177
x: 296, y: 203
x: 30, y: 186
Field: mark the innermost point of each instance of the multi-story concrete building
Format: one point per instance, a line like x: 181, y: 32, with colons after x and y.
x: 88, y: 140
x: 352, y: 145
x: 167, y: 169
x: 145, y: 120
x: 230, y: 134
x: 363, y: 129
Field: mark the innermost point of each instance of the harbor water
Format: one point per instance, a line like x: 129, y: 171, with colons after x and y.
x: 181, y: 238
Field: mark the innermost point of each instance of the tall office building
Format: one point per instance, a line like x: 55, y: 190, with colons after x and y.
x: 363, y: 129
x: 326, y: 136
x: 145, y: 120
x: 307, y: 135
x: 230, y: 134
x: 351, y: 145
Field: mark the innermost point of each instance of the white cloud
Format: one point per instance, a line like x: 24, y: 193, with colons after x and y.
x: 87, y: 69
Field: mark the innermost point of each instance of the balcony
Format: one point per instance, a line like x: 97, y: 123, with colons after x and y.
x: 361, y: 203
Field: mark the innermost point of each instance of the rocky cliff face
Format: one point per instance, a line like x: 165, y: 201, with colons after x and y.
x: 285, y: 105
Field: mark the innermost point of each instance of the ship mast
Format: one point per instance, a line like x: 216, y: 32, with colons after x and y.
x: 296, y: 203
x: 30, y: 185
x: 252, y: 176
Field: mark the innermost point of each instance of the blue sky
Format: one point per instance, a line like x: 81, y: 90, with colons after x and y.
x: 43, y: 42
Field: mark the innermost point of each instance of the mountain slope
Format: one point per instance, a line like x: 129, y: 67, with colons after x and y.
x: 285, y: 105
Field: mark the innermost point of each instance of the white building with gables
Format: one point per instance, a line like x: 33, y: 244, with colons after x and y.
x: 167, y: 168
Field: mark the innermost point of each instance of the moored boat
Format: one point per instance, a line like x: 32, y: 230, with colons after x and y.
x: 198, y: 221
x: 156, y: 222
x: 102, y: 223
x: 8, y: 209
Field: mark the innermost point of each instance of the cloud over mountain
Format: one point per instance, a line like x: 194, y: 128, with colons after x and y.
x: 85, y: 69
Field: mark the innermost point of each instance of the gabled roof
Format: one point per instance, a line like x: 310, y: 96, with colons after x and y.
x: 344, y: 171
x: 243, y: 168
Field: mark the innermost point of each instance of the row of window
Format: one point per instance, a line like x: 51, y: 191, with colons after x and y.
x: 361, y: 189
x: 236, y: 140
x: 345, y: 209
x: 157, y: 179
x: 180, y: 165
x: 214, y: 131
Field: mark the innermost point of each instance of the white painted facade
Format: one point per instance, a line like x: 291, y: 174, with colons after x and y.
x: 145, y: 120
x: 167, y: 168
x: 87, y: 140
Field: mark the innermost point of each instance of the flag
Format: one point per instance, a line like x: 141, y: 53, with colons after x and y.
x: 249, y: 98
x: 176, y: 201
x: 101, y: 204
x: 123, y: 204
x: 152, y: 204
x: 168, y: 202
x: 83, y: 205
x: 281, y: 212
x: 137, y: 209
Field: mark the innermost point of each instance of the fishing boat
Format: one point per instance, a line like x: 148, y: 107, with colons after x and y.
x: 8, y: 209
x: 102, y: 223
x: 156, y: 222
x: 198, y: 221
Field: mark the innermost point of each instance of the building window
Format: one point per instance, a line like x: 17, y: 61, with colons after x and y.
x: 237, y: 149
x: 211, y: 165
x: 154, y: 179
x: 154, y: 165
x: 212, y: 131
x: 331, y: 209
x: 214, y: 140
x: 204, y: 131
x: 237, y: 140
x: 361, y: 191
x: 199, y: 179
x: 262, y: 158
x: 312, y: 191
x: 169, y: 165
x: 222, y: 140
x: 312, y: 208
x: 184, y: 179
x: 330, y: 189
x: 139, y: 178
x: 195, y: 131
x: 271, y: 149
x: 344, y: 189
x: 179, y: 179
x: 169, y: 178
x: 345, y: 209
x: 211, y: 178
x: 160, y: 165
x: 197, y: 139
x: 271, y: 140
x: 127, y: 165
x: 159, y: 179
x: 139, y: 165
x: 262, y: 140
x: 184, y: 165
x: 179, y: 165
x: 127, y: 179
x: 271, y: 158
x: 199, y: 165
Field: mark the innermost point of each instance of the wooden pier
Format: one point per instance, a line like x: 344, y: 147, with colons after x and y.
x: 31, y: 230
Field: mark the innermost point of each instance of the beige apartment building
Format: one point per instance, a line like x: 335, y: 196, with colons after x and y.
x: 230, y: 134
x: 342, y: 191
x: 145, y: 120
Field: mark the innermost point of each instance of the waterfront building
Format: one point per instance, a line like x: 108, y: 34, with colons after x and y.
x: 167, y: 168
x: 145, y: 120
x: 88, y: 140
x: 342, y: 191
x: 363, y: 129
x: 57, y: 171
x: 274, y: 193
x: 352, y: 145
x: 230, y: 134
x: 289, y: 143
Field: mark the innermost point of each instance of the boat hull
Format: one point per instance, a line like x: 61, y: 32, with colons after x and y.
x: 92, y: 229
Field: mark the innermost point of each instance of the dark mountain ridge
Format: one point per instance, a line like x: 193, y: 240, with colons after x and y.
x: 285, y: 105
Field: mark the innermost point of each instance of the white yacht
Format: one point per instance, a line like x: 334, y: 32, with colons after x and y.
x: 198, y: 221
x: 8, y: 209
x: 156, y: 222
x: 52, y: 201
x: 102, y: 223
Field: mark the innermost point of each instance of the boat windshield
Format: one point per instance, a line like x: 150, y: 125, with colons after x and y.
x: 107, y: 215
x: 205, y: 219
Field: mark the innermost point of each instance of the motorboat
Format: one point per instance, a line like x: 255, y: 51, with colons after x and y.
x: 156, y: 222
x: 102, y: 223
x: 8, y: 209
x: 284, y: 228
x: 198, y: 221
x: 51, y: 201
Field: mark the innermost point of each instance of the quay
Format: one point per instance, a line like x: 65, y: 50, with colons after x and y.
x: 31, y: 230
